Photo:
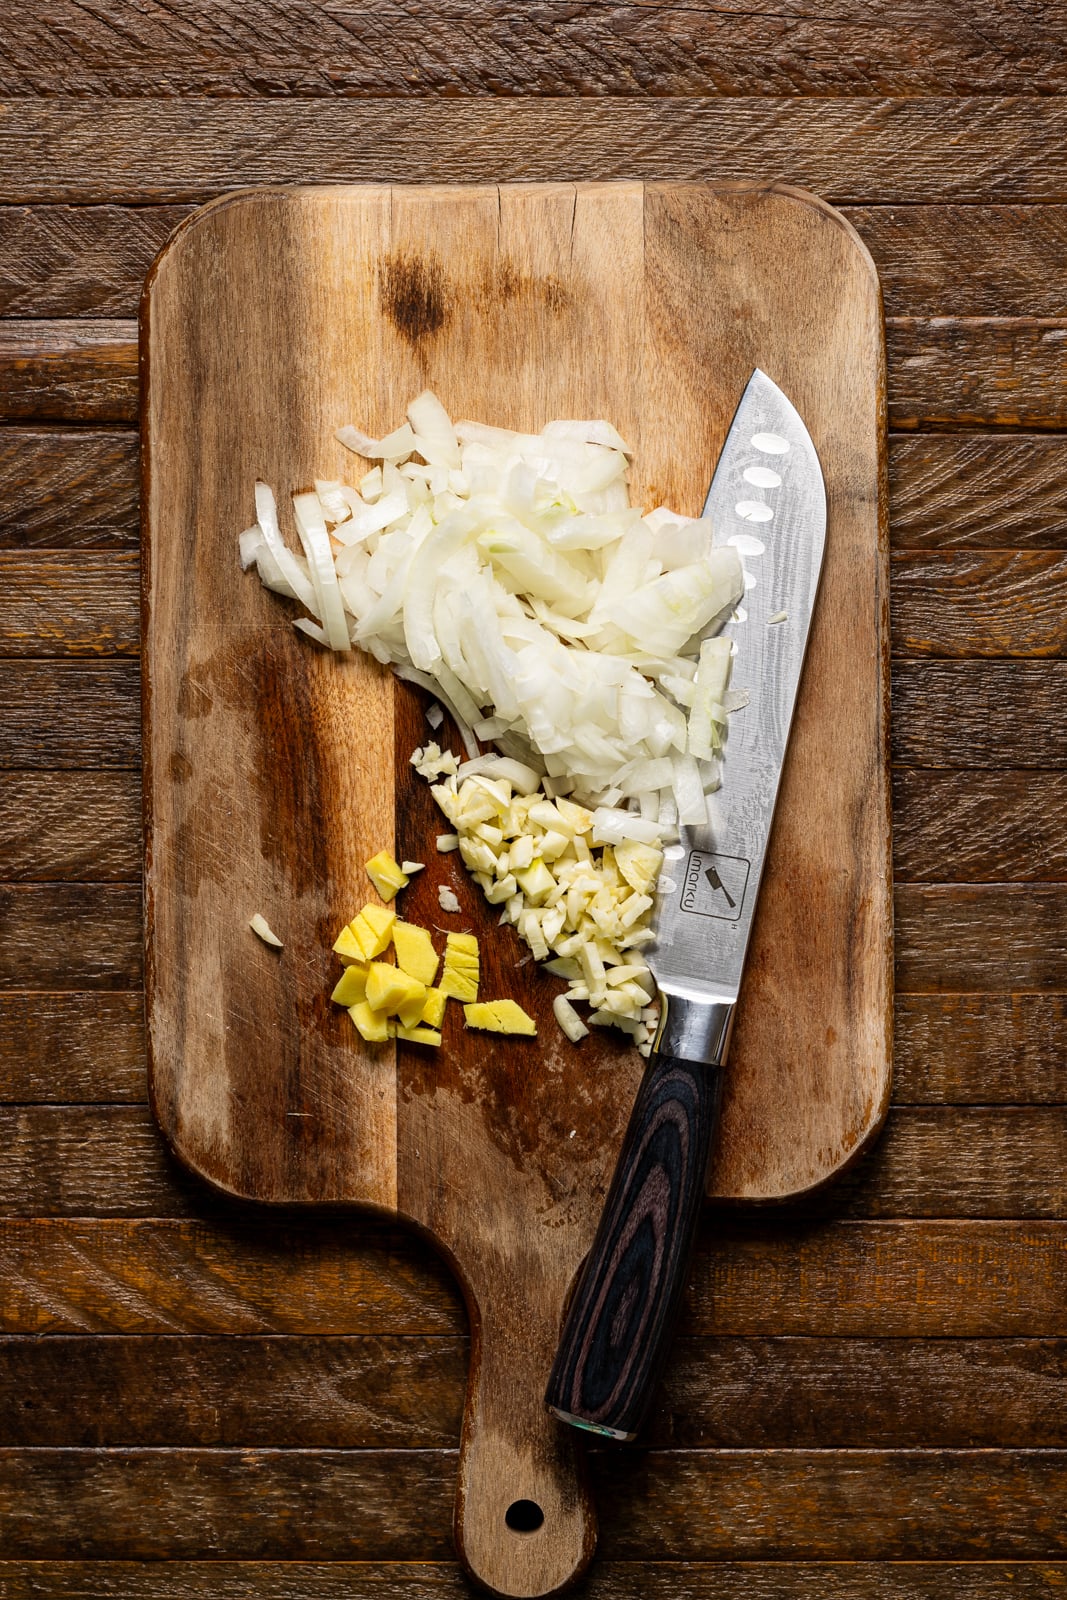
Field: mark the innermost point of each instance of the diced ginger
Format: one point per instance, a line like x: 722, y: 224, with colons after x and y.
x: 417, y: 1035
x: 415, y: 953
x: 460, y: 976
x: 351, y: 985
x: 367, y: 935
x: 499, y: 1016
x: 433, y: 1010
x: 373, y: 1025
x: 386, y: 874
x: 388, y: 988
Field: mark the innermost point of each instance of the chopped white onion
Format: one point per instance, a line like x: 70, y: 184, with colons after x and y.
x: 508, y: 575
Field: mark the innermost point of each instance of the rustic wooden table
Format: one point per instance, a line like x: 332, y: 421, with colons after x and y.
x: 869, y: 1394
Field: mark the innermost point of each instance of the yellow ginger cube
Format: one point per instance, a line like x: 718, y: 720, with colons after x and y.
x: 367, y: 935
x: 386, y: 874
x: 374, y: 1026
x: 351, y: 986
x: 388, y: 989
x: 415, y: 953
x: 419, y: 1035
x: 460, y: 976
x: 433, y: 1010
x: 499, y: 1016
x: 409, y: 1012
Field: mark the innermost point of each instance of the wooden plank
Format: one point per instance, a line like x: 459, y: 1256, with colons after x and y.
x: 763, y: 1505
x: 68, y: 489
x: 696, y: 1505
x: 407, y: 1391
x: 328, y: 51
x: 70, y: 936
x: 978, y: 490
x: 75, y: 490
x: 994, y: 1049
x: 70, y: 714
x: 993, y: 938
x: 70, y: 604
x: 769, y: 1276
x: 71, y: 825
x: 110, y: 1161
x: 965, y: 714
x: 884, y: 151
x: 364, y: 1393
x: 950, y: 604
x: 91, y: 260
x: 973, y: 603
x: 980, y: 261
x: 88, y: 1047
x: 979, y: 827
x: 943, y: 371
x: 608, y: 1580
x: 948, y: 827
x: 984, y: 372
x: 68, y: 371
x: 72, y: 1047
x: 79, y: 261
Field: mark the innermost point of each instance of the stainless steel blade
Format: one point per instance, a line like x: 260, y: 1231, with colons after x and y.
x: 768, y: 499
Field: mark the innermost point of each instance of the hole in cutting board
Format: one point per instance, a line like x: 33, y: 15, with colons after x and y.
x: 524, y: 1516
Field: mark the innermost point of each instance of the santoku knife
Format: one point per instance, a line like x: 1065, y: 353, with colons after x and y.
x: 768, y: 498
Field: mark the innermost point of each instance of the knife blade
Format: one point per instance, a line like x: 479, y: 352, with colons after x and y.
x: 767, y: 498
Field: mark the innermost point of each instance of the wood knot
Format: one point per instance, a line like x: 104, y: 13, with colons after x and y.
x: 412, y: 291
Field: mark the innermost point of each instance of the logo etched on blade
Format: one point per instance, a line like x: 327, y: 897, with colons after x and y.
x: 715, y: 885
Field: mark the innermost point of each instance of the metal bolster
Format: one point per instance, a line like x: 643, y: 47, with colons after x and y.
x: 694, y: 1029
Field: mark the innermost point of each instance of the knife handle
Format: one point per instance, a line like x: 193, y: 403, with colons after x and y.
x: 618, y: 1325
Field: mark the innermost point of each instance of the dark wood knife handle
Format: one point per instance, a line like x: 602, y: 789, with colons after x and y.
x: 618, y: 1326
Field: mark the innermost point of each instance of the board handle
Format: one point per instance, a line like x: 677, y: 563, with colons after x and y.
x: 617, y: 1329
x: 524, y: 1520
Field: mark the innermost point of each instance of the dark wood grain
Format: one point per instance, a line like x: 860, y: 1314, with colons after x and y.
x: 91, y: 260
x: 698, y: 1505
x: 943, y: 372
x: 70, y: 714
x: 968, y: 604
x: 241, y: 1273
x: 978, y: 490
x: 1005, y: 1049
x: 297, y: 48
x: 71, y: 825
x: 70, y: 936
x: 109, y: 1161
x: 79, y: 261
x: 67, y: 1048
x: 763, y: 1505
x: 888, y: 151
x: 993, y: 938
x: 991, y: 371
x: 81, y: 603
x: 70, y: 490
x: 609, y: 1580
x: 70, y: 371
x: 980, y: 714
x: 979, y: 827
x: 374, y: 1392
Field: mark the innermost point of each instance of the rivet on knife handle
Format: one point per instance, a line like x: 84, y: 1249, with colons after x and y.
x: 618, y: 1326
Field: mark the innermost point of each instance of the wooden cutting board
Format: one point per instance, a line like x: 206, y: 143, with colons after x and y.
x: 273, y: 771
